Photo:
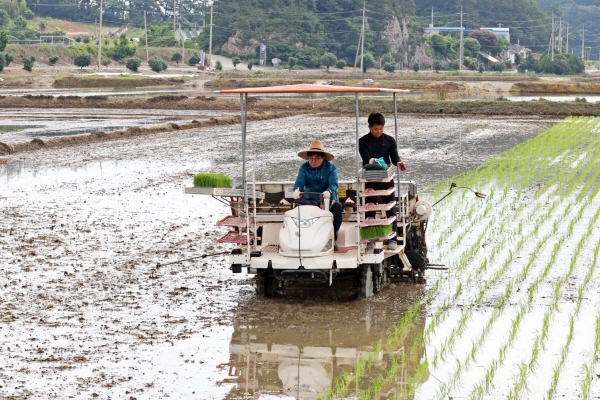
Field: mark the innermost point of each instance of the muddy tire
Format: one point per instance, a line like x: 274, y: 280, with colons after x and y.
x: 365, y: 282
x: 265, y: 283
x: 382, y: 279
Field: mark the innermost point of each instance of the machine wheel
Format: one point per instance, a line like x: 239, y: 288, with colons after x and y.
x: 365, y: 282
x: 265, y: 285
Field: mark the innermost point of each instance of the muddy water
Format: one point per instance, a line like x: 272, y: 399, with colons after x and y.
x: 23, y: 125
x: 85, y: 312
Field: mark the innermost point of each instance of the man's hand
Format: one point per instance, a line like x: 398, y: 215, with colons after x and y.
x: 401, y: 166
x: 297, y: 194
x: 326, y: 194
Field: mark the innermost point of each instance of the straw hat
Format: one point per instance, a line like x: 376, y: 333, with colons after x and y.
x: 316, y: 147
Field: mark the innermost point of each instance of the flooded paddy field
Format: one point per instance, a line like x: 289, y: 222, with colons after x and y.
x: 85, y: 313
x: 24, y: 125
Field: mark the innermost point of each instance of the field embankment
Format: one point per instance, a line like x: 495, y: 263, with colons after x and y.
x: 338, y: 105
x: 555, y: 88
x: 112, y: 82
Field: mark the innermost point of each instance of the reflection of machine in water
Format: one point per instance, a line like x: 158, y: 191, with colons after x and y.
x: 298, y: 350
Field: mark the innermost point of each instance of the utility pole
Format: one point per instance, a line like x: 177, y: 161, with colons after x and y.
x: 583, y: 43
x: 357, y: 50
x: 100, y: 41
x: 182, y: 43
x: 431, y: 26
x: 567, y: 38
x: 552, y: 37
x: 560, y: 25
x: 362, y: 43
x: 461, y: 41
x: 210, y: 39
x: 146, y: 30
x: 174, y: 24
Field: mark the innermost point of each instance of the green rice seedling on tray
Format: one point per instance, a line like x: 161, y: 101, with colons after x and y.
x: 375, y: 232
x: 212, y: 180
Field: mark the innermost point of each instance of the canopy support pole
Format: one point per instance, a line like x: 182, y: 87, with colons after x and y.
x: 400, y: 207
x: 357, y: 184
x: 243, y: 102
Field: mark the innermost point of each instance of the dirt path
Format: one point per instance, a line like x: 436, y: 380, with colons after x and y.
x: 83, y: 227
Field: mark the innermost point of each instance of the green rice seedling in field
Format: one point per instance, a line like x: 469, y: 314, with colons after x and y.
x: 212, y: 180
x: 563, y: 356
x: 554, y: 177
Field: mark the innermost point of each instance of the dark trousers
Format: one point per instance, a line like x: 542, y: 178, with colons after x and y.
x: 384, y: 200
x: 336, y: 210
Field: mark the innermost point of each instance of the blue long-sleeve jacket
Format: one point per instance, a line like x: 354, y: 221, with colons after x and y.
x: 317, y: 180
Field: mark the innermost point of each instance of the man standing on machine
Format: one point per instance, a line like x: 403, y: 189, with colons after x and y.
x: 372, y: 146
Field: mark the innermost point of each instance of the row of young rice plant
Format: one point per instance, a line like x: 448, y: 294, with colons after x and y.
x: 490, y: 261
x: 490, y: 258
x: 582, y: 140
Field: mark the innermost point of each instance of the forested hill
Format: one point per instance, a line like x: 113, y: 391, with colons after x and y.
x: 529, y: 24
x: 578, y: 13
x: 305, y: 28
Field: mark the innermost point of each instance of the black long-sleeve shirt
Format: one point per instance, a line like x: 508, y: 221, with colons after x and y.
x: 370, y: 147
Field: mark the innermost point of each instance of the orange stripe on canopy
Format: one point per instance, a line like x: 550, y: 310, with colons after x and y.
x: 309, y: 88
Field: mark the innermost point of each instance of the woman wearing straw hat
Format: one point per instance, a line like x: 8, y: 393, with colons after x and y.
x: 318, y: 174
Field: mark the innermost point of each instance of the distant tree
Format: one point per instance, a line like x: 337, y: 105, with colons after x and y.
x: 4, y: 19
x: 86, y: 39
x: 53, y: 59
x: 386, y: 59
x: 28, y: 63
x: 518, y: 59
x: 218, y: 66
x: 292, y: 61
x: 3, y: 39
x: 8, y: 58
x: 486, y: 39
x: 471, y: 45
x: 437, y: 65
x: 501, y: 45
x: 416, y: 67
x: 133, y: 64
x: 498, y: 67
x: 235, y: 60
x: 20, y: 23
x: 42, y: 26
x: 440, y: 44
x: 28, y: 14
x: 340, y: 64
x: 313, y: 62
x: 250, y: 65
x: 78, y: 39
x: 82, y: 60
x: 481, y: 68
x: 328, y: 59
x: 106, y: 62
x: 368, y: 61
x: 157, y: 64
x: 176, y: 57
x: 194, y: 60
x: 389, y: 67
x: 122, y: 49
x: 1, y: 63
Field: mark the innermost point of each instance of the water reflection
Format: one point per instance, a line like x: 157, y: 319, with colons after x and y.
x: 296, y: 346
